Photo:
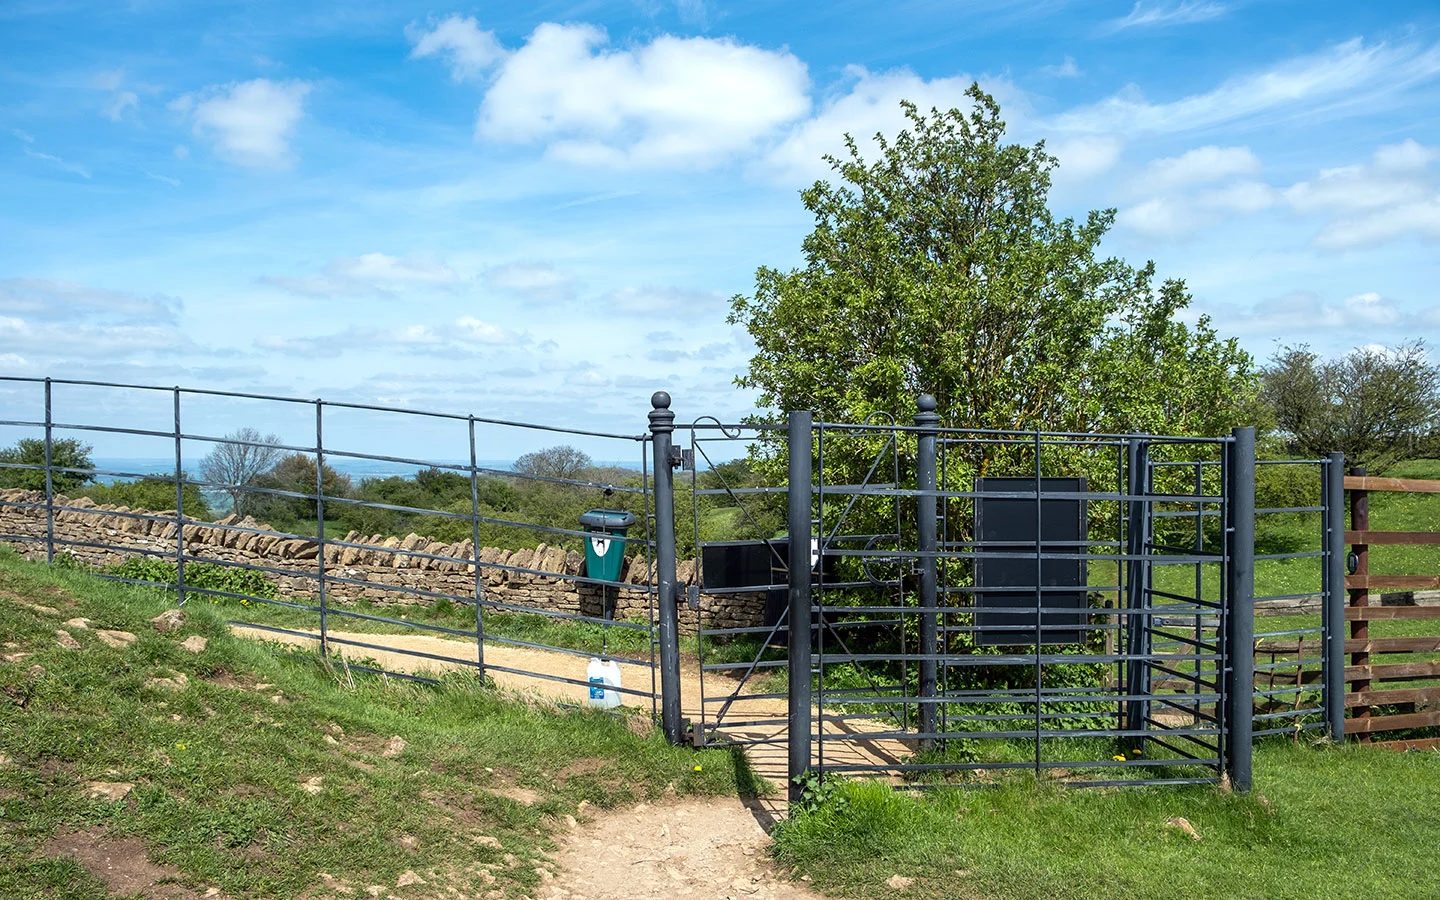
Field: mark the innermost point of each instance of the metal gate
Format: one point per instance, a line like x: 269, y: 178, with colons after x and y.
x: 1060, y: 603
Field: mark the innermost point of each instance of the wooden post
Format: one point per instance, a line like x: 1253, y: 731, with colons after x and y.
x: 1360, y: 628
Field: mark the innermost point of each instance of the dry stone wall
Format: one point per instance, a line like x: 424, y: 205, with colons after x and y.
x: 386, y: 570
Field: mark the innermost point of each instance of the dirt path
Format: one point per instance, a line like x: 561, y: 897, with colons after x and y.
x: 757, y: 720
x: 692, y: 848
x: 704, y: 847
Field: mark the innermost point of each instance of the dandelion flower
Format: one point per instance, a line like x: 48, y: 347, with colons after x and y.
x: 697, y: 768
x: 1118, y: 758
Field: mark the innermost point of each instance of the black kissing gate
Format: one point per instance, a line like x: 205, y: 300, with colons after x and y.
x: 979, y: 601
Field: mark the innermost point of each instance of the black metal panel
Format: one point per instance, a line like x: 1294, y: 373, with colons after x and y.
x: 1009, y: 525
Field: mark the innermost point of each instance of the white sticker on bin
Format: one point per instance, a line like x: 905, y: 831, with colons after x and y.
x: 601, y: 545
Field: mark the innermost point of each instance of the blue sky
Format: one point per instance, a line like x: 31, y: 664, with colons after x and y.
x: 539, y: 211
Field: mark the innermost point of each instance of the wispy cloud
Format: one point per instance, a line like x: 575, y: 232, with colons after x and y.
x: 1345, y: 78
x: 466, y: 48
x: 1160, y: 15
x: 370, y: 274
x: 1066, y: 69
x: 57, y: 162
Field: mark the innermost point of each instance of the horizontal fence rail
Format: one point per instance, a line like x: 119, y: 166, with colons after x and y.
x: 413, y: 604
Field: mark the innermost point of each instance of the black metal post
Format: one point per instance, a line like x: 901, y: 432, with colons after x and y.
x: 1333, y: 617
x: 928, y: 421
x: 475, y: 554
x: 49, y: 480
x: 798, y: 492
x: 1240, y: 579
x: 179, y: 508
x: 1137, y: 596
x: 662, y: 426
x: 320, y: 527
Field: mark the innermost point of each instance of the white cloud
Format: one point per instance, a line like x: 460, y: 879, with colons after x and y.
x: 871, y: 105
x: 122, y: 101
x: 251, y: 123
x: 1159, y: 15
x: 1349, y: 76
x: 1066, y: 69
x: 670, y: 300
x: 1395, y: 195
x: 1168, y: 217
x: 538, y: 283
x: 1182, y: 197
x: 1243, y: 197
x: 673, y: 101
x: 466, y: 49
x: 367, y: 274
x: 48, y: 300
x: 465, y: 336
x: 1304, y: 312
x: 1086, y: 156
x: 1202, y: 165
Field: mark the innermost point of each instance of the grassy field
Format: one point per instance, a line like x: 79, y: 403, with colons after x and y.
x: 255, y: 772
x: 1322, y: 822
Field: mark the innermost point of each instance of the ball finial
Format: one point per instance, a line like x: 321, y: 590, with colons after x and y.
x: 660, y: 400
x: 926, y: 403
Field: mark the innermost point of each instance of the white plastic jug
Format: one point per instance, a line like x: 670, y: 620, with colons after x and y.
x: 603, y: 674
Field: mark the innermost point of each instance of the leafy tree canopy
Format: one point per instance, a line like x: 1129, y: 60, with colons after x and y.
x: 562, y: 461
x: 65, y: 453
x: 938, y: 267
x: 1377, y: 406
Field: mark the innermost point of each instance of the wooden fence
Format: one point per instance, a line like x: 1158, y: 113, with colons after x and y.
x: 1371, y: 681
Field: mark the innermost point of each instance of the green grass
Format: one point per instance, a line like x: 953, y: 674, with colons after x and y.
x: 1322, y: 822
x: 218, y: 766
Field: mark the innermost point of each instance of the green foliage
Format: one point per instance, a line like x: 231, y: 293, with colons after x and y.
x: 939, y: 268
x: 205, y: 576
x: 65, y: 453
x: 154, y: 494
x: 294, y: 473
x: 562, y: 461
x: 1378, y: 407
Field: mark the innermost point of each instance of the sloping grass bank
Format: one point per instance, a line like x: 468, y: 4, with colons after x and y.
x: 262, y: 775
x: 1323, y: 822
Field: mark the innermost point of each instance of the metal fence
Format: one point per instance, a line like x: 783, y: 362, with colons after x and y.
x: 942, y: 604
x: 347, y: 592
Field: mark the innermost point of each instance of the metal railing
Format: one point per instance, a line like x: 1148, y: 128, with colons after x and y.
x: 317, y: 598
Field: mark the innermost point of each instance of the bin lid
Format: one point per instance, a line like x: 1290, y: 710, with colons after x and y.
x: 607, y: 518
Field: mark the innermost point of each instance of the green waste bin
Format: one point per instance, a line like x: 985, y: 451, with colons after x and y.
x: 605, y: 547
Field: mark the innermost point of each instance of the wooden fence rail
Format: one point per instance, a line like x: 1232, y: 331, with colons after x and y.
x: 1363, y: 673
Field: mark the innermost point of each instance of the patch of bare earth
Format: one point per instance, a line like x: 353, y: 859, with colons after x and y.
x: 122, y: 865
x: 712, y: 848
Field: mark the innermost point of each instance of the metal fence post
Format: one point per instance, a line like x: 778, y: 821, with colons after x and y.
x: 662, y: 425
x: 179, y: 508
x: 928, y: 421
x: 1333, y: 618
x: 1137, y: 597
x: 320, y: 527
x: 475, y: 555
x: 798, y: 492
x: 1240, y: 581
x: 49, y: 480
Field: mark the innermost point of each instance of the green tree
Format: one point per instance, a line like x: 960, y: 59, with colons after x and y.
x: 1379, y: 407
x: 562, y: 461
x: 65, y: 453
x: 294, y: 473
x: 939, y: 268
x: 153, y: 494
